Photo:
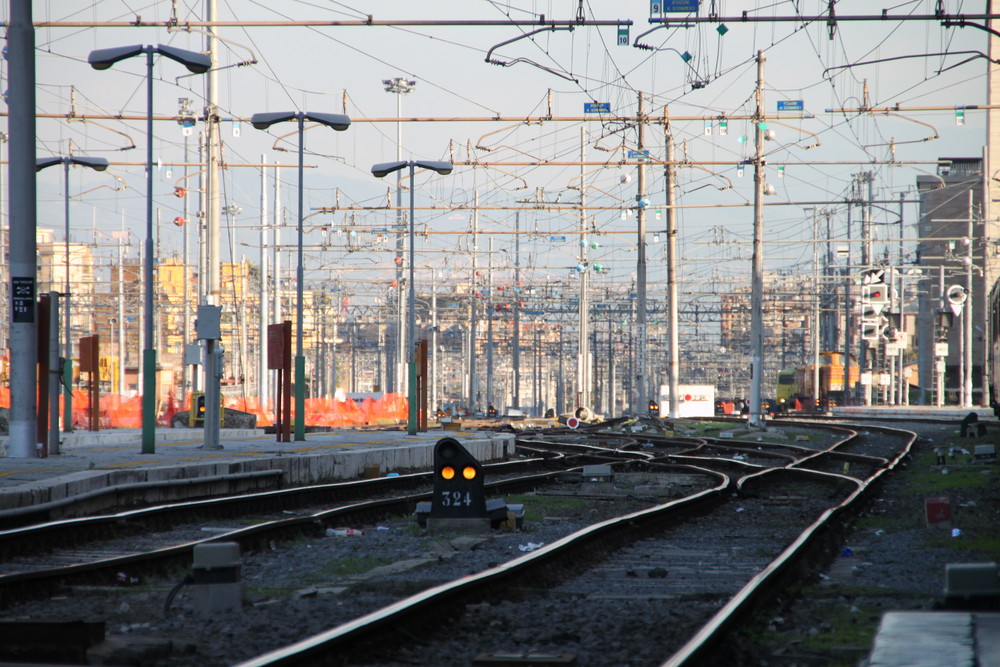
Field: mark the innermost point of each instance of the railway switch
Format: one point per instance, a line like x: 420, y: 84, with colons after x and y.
x: 459, y: 494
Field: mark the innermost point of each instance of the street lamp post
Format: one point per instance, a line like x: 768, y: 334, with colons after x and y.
x: 381, y: 170
x: 398, y: 86
x: 196, y: 63
x: 97, y: 164
x: 339, y: 122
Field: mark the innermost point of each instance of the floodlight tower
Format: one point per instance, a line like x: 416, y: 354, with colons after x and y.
x: 400, y: 87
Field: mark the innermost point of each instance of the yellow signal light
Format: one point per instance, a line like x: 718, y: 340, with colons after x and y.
x: 448, y: 472
x: 468, y: 472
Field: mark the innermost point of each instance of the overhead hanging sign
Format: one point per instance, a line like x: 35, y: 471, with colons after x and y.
x: 790, y: 106
x: 679, y: 6
x: 642, y: 156
x: 597, y: 107
x: 623, y: 36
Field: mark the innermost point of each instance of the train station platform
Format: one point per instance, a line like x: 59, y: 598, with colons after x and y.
x: 903, y: 411
x: 936, y: 639
x: 110, y: 461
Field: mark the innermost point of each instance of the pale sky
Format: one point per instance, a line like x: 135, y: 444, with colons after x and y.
x: 318, y: 68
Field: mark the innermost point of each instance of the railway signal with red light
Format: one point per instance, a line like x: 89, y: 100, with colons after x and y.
x: 874, y: 299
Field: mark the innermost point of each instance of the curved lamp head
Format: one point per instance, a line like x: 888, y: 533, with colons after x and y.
x: 95, y: 163
x: 385, y: 168
x: 262, y: 121
x: 196, y: 63
x: 443, y: 168
x: 105, y: 58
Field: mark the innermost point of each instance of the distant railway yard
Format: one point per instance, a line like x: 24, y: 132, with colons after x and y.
x: 641, y: 543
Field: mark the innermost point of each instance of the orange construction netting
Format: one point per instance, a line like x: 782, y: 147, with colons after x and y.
x: 118, y: 411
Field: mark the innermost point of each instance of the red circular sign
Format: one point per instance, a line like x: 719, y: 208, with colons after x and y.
x: 572, y: 422
x: 687, y: 397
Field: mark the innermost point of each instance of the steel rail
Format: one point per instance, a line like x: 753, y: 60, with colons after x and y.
x: 15, y: 539
x: 698, y: 650
x: 28, y: 584
x: 601, y: 537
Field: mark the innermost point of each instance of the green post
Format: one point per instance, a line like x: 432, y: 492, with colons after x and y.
x: 68, y: 395
x: 149, y: 401
x: 411, y: 412
x: 300, y: 397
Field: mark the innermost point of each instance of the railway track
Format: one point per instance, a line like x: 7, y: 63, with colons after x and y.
x: 680, y: 599
x: 718, y: 464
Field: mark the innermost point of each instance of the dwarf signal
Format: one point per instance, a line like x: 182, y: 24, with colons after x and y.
x: 458, y: 482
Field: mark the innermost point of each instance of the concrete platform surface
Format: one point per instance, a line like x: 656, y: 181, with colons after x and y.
x: 896, y: 411
x: 91, y: 462
x: 936, y: 639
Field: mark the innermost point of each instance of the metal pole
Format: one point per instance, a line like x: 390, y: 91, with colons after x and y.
x: 673, y: 370
x: 967, y: 314
x: 411, y: 326
x: 641, y: 395
x: 23, y: 262
x: 300, y: 360
x: 816, y: 312
x: 213, y: 232
x: 401, y: 341
x: 583, y: 356
x: 473, y: 315
x: 121, y: 318
x: 149, y: 352
x: 434, y: 342
x: 904, y: 394
x: 278, y: 222
x: 185, y: 386
x: 517, y: 311
x: 68, y: 369
x: 757, y: 268
x: 490, y: 383
x: 939, y: 366
x: 262, y: 377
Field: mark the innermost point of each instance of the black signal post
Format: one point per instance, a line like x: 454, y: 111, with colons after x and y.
x: 458, y: 483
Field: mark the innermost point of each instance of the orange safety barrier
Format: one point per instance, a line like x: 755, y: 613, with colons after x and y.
x: 126, y: 411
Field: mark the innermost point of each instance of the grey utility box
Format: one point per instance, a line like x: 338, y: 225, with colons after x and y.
x: 216, y: 585
x: 208, y: 326
x: 975, y: 583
